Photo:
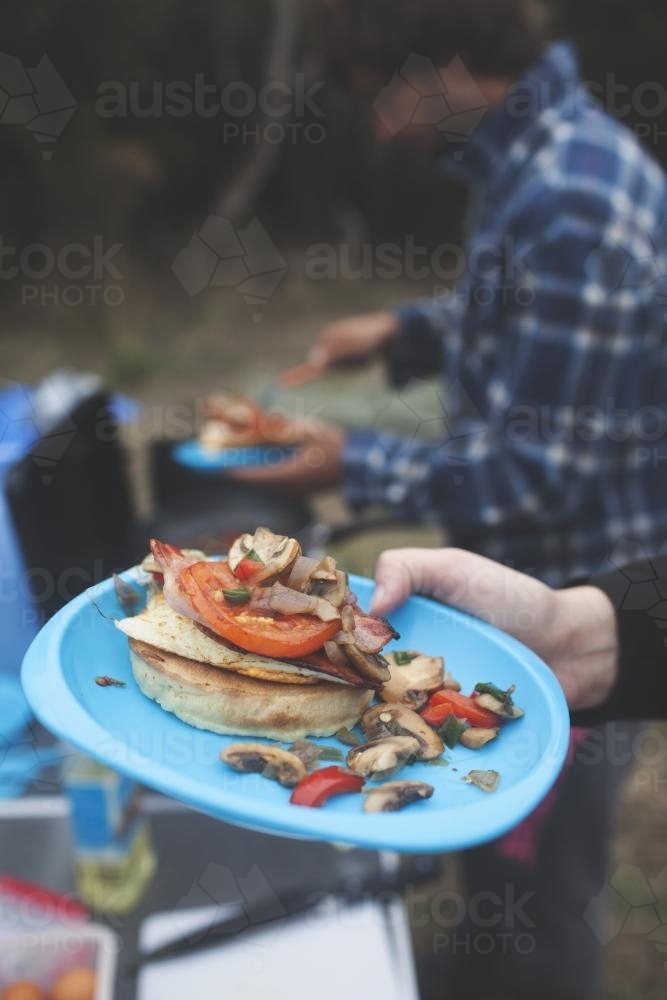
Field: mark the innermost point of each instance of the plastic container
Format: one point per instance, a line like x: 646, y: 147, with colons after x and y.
x: 114, y: 859
x: 41, y: 956
x: 27, y: 416
x: 18, y: 624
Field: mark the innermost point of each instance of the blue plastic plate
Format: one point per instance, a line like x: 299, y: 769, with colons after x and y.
x: 127, y: 731
x: 193, y: 456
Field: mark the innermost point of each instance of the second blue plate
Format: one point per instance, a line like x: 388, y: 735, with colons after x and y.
x: 193, y: 456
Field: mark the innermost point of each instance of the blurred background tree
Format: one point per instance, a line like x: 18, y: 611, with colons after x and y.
x: 154, y: 174
x: 147, y: 179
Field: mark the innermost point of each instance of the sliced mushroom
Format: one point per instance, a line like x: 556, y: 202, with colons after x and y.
x: 475, y: 739
x: 382, y: 721
x: 450, y: 683
x: 501, y: 708
x: 333, y: 588
x: 486, y: 780
x: 271, y: 762
x: 381, y: 759
x: 326, y: 569
x: 396, y: 795
x: 371, y: 666
x: 414, y: 683
x: 276, y: 554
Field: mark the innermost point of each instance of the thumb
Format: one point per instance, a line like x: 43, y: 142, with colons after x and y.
x: 393, y: 582
x: 401, y: 572
x: 463, y: 580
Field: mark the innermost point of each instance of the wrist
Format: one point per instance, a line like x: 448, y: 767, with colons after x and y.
x: 390, y: 325
x: 324, y: 455
x: 583, y: 645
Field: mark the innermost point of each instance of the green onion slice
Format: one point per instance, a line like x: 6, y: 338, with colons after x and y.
x: 452, y: 730
x: 503, y: 696
x: 236, y: 595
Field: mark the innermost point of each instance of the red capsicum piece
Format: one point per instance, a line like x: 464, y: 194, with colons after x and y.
x: 442, y: 703
x: 248, y: 568
x: 316, y: 788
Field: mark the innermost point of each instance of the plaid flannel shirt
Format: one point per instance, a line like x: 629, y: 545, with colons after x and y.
x: 553, y: 345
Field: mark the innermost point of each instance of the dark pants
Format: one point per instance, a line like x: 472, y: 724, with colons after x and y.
x: 524, y: 934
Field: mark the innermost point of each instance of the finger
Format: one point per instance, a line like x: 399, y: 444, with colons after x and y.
x: 303, y: 374
x: 463, y: 580
x: 401, y: 572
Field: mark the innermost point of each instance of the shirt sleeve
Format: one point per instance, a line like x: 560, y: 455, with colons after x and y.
x: 639, y: 593
x: 416, y: 350
x: 566, y: 344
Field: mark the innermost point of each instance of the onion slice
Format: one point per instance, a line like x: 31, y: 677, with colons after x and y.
x: 260, y: 600
x: 347, y: 618
x: 293, y: 602
x: 302, y: 571
x: 336, y: 654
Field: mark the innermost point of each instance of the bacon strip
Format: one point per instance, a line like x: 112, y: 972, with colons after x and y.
x: 322, y: 664
x: 317, y: 662
x: 371, y: 634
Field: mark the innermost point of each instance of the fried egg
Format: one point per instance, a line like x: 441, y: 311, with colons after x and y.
x: 162, y: 627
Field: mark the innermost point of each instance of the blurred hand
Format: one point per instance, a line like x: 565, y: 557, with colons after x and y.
x: 345, y: 341
x: 316, y: 465
x: 574, y: 630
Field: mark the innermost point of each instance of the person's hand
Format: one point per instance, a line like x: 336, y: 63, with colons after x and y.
x: 574, y: 630
x: 315, y: 465
x: 356, y: 338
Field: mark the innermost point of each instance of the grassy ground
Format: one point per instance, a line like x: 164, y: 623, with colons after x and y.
x: 164, y: 351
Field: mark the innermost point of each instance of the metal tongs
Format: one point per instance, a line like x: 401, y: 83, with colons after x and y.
x: 392, y: 876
